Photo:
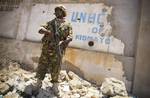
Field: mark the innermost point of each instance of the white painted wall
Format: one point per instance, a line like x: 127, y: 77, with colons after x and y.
x: 85, y: 19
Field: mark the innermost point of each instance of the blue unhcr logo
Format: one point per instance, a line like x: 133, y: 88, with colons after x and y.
x: 84, y: 17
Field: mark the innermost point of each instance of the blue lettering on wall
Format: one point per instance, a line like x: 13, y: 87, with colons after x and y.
x: 89, y: 38
x: 101, y: 40
x: 83, y: 17
x: 99, y: 18
x: 94, y: 18
x: 94, y: 30
x: 74, y: 17
x: 78, y: 37
x: 84, y: 38
x: 91, y: 18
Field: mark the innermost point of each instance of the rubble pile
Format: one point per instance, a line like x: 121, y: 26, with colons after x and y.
x: 17, y: 83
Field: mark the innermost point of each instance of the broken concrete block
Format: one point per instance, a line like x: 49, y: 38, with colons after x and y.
x: 120, y: 97
x: 72, y: 75
x: 4, y: 88
x: 12, y: 95
x: 75, y: 84
x: 86, y: 83
x: 113, y: 87
x: 3, y: 78
x: 65, y: 87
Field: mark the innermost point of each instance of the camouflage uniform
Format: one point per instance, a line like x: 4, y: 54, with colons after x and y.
x: 51, y: 56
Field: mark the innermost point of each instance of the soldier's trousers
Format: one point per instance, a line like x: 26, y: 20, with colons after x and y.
x: 49, y: 60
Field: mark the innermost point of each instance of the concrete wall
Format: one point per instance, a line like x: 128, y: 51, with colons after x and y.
x: 10, y: 13
x: 125, y: 23
x: 92, y: 65
x: 124, y: 20
x: 142, y: 78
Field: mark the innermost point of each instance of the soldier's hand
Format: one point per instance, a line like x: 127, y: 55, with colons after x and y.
x: 44, y: 31
x: 63, y: 44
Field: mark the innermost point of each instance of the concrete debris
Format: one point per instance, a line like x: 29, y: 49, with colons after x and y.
x: 17, y: 83
x: 113, y: 87
x: 121, y: 97
x: 4, y: 88
x: 12, y: 95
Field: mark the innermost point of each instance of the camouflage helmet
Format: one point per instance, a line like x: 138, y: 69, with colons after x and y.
x: 62, y: 8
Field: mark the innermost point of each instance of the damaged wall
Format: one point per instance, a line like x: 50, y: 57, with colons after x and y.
x: 89, y: 64
x: 98, y: 27
x: 123, y: 19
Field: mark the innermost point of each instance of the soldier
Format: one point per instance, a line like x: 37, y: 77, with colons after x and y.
x: 57, y: 35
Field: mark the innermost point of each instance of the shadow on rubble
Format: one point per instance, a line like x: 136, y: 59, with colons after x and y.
x: 30, y: 91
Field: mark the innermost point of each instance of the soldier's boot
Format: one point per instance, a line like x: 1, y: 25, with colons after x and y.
x: 56, y: 90
x: 36, y: 87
